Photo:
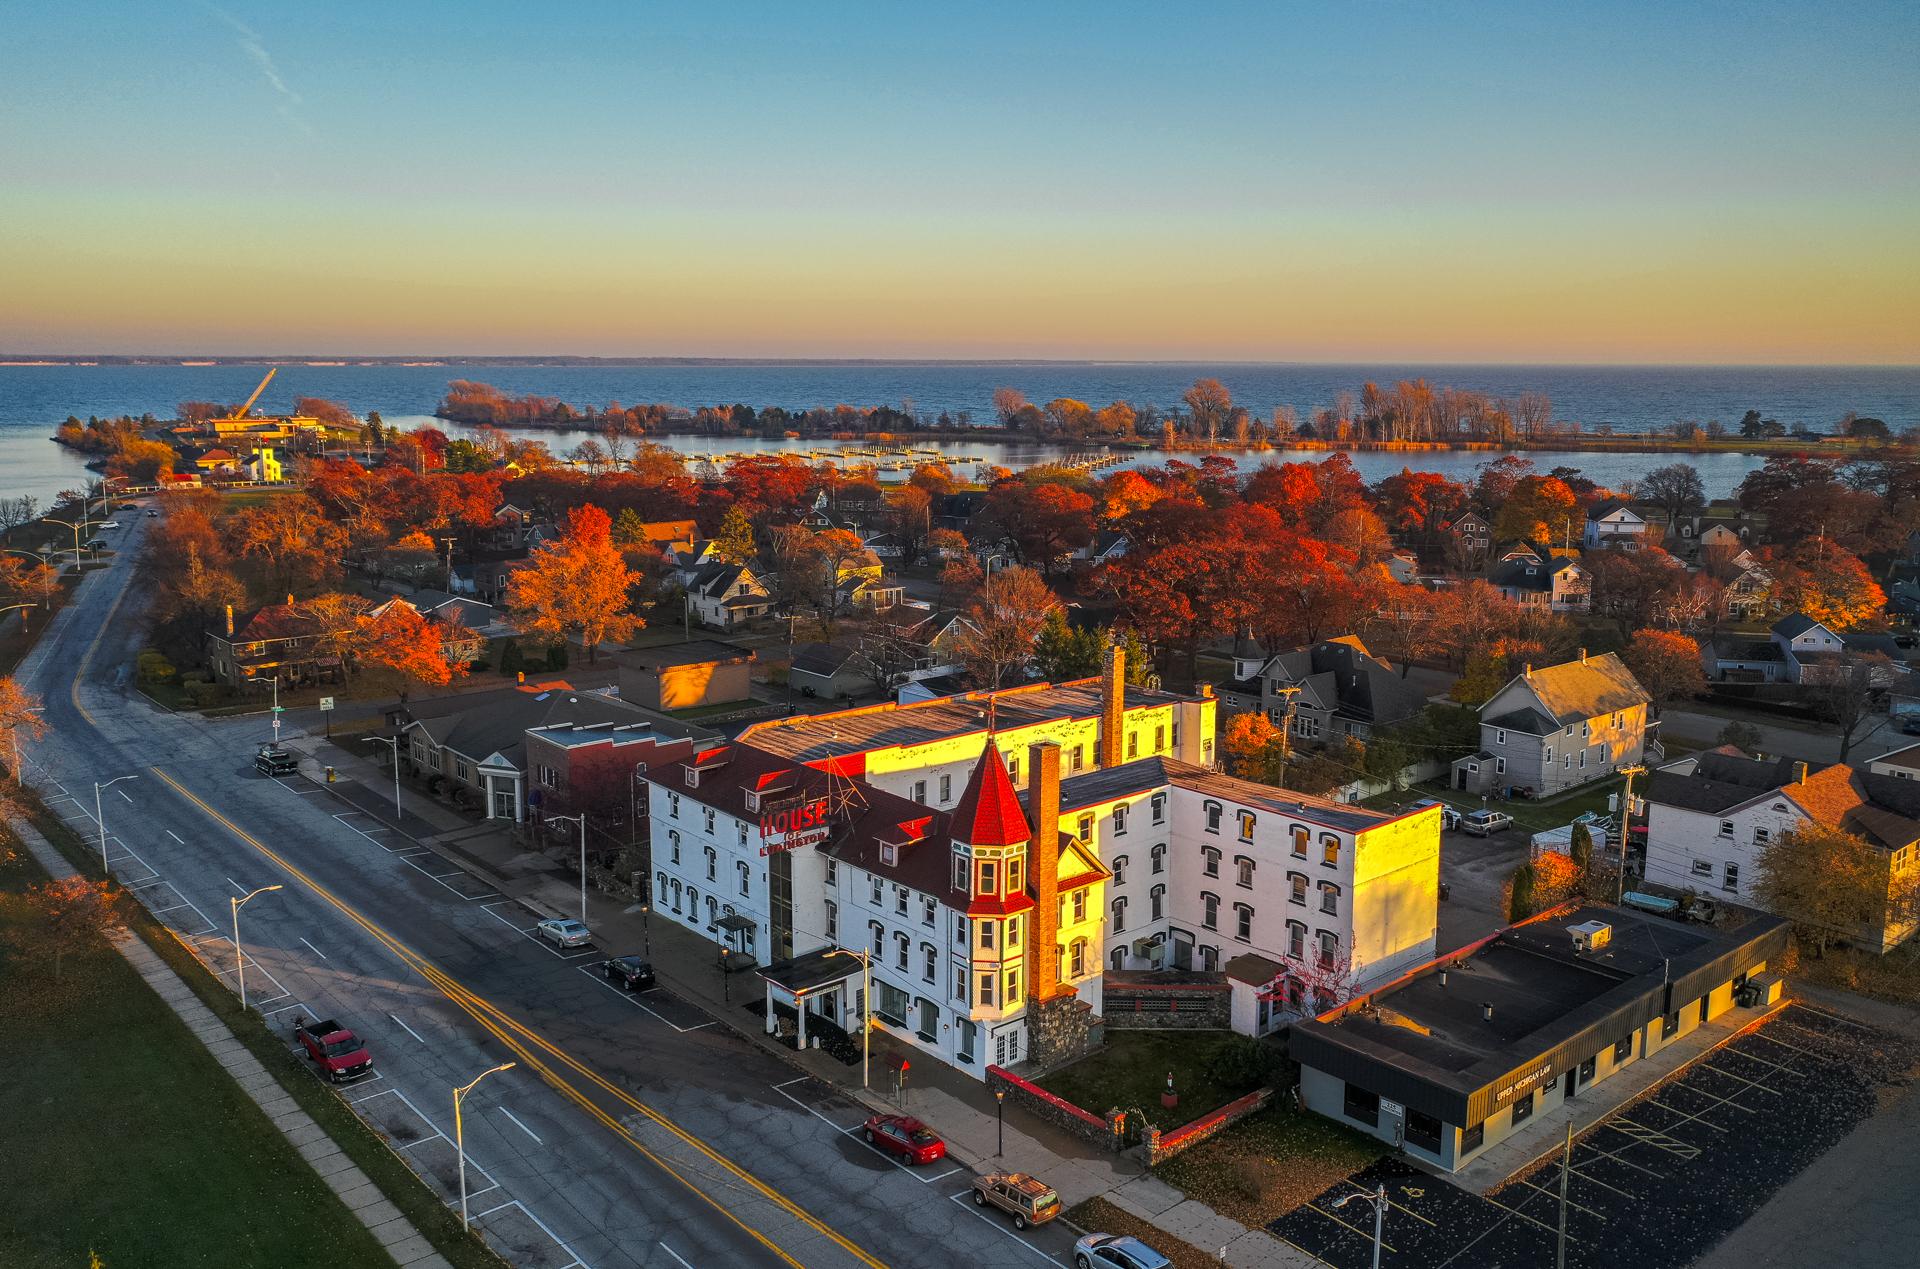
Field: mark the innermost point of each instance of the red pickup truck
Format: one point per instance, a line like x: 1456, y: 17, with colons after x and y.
x: 338, y: 1051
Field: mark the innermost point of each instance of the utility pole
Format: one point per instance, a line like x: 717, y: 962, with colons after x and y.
x: 1291, y: 691
x: 1626, y: 822
x: 1566, y: 1166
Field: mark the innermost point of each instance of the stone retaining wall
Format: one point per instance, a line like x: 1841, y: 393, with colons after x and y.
x: 1084, y: 1124
x: 1159, y: 1146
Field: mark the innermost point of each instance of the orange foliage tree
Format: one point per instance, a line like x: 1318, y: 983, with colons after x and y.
x: 577, y: 585
x: 403, y: 639
x: 73, y: 914
x: 1252, y: 745
x: 1667, y: 663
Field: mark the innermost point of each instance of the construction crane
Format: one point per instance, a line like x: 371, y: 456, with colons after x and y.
x: 241, y: 413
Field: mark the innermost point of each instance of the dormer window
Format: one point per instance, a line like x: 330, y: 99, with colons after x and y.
x: 693, y: 777
x: 889, y: 854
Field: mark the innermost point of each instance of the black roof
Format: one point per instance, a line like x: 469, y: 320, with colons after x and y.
x: 693, y: 652
x: 1720, y: 781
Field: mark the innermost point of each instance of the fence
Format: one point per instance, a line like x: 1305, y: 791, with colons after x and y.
x: 1159, y: 1146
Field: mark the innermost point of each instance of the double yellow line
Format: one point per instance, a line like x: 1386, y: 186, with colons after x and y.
x: 543, y: 1056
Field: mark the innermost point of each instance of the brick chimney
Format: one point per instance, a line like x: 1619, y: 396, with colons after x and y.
x: 1043, y: 868
x: 1113, y: 709
x: 229, y: 621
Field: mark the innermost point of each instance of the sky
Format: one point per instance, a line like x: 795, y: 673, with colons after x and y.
x: 1691, y: 183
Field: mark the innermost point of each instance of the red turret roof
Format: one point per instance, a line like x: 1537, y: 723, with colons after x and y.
x: 988, y: 813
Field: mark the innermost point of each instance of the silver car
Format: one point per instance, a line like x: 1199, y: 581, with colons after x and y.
x: 564, y: 932
x: 1116, y: 1251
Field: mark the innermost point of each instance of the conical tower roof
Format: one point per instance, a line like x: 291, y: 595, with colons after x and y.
x: 988, y: 812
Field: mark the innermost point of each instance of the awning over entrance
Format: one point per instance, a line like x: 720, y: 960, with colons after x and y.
x: 811, y: 971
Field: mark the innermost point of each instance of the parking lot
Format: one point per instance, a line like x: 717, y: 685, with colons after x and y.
x: 1657, y: 1183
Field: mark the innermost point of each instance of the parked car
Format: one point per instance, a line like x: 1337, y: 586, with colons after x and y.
x: 275, y: 761
x: 1116, y: 1251
x: 1485, y: 823
x: 96, y: 544
x: 630, y: 972
x: 564, y: 932
x: 152, y: 514
x: 1910, y: 724
x: 1029, y: 1200
x: 337, y: 1051
x: 905, y: 1136
x: 1449, y: 818
x: 108, y: 524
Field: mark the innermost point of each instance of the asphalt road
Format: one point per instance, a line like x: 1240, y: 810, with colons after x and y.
x: 633, y: 1132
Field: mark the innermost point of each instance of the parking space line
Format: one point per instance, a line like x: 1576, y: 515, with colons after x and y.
x: 1556, y: 1198
x: 599, y: 976
x: 1623, y: 1160
x: 1685, y: 1118
x: 966, y: 1205
x: 1356, y: 1229
x: 175, y: 836
x: 1594, y: 1180
x: 268, y: 1013
x: 491, y: 1210
x: 404, y: 1027
x: 123, y: 793
x: 676, y: 1255
x: 1530, y: 1219
x: 857, y: 1132
x: 385, y: 1092
x: 1804, y: 1052
x: 142, y: 884
x: 163, y: 911
x: 316, y: 951
x: 1708, y: 1066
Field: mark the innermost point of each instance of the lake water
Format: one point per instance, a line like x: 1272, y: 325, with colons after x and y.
x: 35, y: 398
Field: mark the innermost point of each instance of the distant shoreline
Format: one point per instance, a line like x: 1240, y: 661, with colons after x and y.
x: 340, y: 360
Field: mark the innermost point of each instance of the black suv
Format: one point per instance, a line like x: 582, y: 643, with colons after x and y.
x: 630, y: 972
x: 274, y: 761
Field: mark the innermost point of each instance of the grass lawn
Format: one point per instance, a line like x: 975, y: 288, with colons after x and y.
x: 1533, y: 816
x: 129, y: 1140
x: 1131, y: 1073
x: 1097, y: 1216
x: 1268, y: 1164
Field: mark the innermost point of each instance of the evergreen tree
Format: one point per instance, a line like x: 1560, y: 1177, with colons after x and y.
x: 628, y: 528
x: 512, y: 660
x: 1061, y: 652
x: 734, y: 541
x: 1520, y: 893
x: 1581, y: 848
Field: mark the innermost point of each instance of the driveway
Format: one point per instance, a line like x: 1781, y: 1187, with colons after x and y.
x: 1475, y: 869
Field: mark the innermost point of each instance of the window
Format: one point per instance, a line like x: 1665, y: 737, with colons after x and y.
x: 673, y: 805
x: 960, y: 929
x: 1079, y: 905
x: 988, y: 877
x: 1119, y: 914
x: 1213, y: 817
x: 876, y: 938
x: 1500, y: 736
x: 946, y: 788
x: 742, y: 866
x: 962, y: 979
x: 1329, y: 898
x: 926, y: 911
x: 1760, y: 836
x: 1013, y: 932
x: 1669, y: 1025
x: 1297, y: 888
x: 1500, y: 766
x: 673, y: 843
x: 659, y: 885
x: 833, y: 872
x: 1731, y: 880
x: 1014, y: 882
x: 873, y: 888
x: 1296, y: 940
x: 1423, y: 1130
x: 1329, y: 948
x: 1158, y: 856
x: 1246, y: 826
x: 1013, y: 768
x: 1013, y: 988
x: 929, y: 962
x: 833, y: 920
x: 1243, y: 872
x: 1549, y: 755
x: 1210, y: 911
x: 1726, y: 828
x: 1159, y: 737
x: 741, y: 825
x: 920, y: 791
x: 986, y: 990
x: 1361, y: 1106
x: 1329, y: 849
x: 1076, y: 759
x: 1084, y: 828
x: 713, y: 864
x: 1243, y: 922
x: 1523, y: 1107
x: 709, y: 818
x: 1133, y: 745
x: 1119, y: 870
x: 1623, y: 1050
x: 1156, y: 899
x: 1300, y: 836
x: 1077, y: 958
x: 1210, y: 861
x: 1703, y: 868
x: 900, y: 947
x: 1120, y: 820
x: 900, y: 900
x: 1158, y: 803
x: 987, y: 929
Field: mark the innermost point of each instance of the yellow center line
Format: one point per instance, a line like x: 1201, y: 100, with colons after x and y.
x: 504, y: 1027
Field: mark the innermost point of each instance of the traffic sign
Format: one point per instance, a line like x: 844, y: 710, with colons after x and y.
x: 326, y: 702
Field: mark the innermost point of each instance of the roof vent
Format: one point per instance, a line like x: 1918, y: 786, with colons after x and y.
x: 1443, y: 976
x: 1590, y: 936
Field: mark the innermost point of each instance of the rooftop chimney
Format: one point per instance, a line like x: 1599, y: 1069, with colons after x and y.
x: 1526, y: 669
x: 1113, y: 697
x: 1043, y: 867
x: 1799, y: 773
x: 1583, y: 656
x: 229, y: 621
x: 1443, y: 976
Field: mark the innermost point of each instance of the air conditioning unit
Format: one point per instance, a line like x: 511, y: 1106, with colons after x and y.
x: 1590, y: 936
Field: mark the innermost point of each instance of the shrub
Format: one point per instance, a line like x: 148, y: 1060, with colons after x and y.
x: 557, y: 656
x: 1520, y: 893
x: 204, y: 695
x: 512, y: 660
x: 1243, y: 1063
x: 155, y: 668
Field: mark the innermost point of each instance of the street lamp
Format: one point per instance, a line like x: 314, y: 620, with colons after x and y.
x: 395, y: 746
x: 239, y: 961
x: 460, y: 1137
x: 1379, y: 1200
x: 646, y: 931
x: 1000, y: 1114
x: 14, y: 734
x: 100, y: 819
x: 76, y: 526
x: 580, y: 819
x: 726, y: 980
x: 23, y: 616
x: 866, y: 1007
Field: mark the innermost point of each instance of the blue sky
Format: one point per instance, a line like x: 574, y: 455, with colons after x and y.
x: 1126, y: 179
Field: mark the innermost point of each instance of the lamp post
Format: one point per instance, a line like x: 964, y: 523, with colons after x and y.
x: 866, y: 1008
x: 239, y: 961
x: 646, y: 931
x: 460, y: 1136
x: 395, y: 746
x: 100, y: 819
x: 1379, y: 1201
x: 76, y: 526
x: 1000, y: 1115
x: 23, y: 615
x: 1626, y: 827
x: 726, y: 980
x: 581, y: 820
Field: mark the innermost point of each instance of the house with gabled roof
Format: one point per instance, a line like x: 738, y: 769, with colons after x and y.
x: 1540, y: 577
x: 283, y: 641
x: 1553, y: 729
x: 1612, y: 522
x: 1339, y: 689
x: 726, y: 596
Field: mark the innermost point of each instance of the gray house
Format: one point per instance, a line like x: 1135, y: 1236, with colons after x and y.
x: 1344, y: 690
x: 1550, y: 730
x: 1799, y: 649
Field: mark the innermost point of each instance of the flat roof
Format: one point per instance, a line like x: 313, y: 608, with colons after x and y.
x: 692, y: 652
x: 1452, y: 1037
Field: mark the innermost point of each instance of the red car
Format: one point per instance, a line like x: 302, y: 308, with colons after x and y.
x: 905, y: 1136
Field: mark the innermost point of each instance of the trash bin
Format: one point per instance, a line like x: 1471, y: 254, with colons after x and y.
x: 329, y: 775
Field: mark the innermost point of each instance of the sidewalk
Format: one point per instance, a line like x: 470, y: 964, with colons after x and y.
x: 363, y: 1198
x: 961, y: 1109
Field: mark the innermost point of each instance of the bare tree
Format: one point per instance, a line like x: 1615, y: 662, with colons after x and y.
x: 15, y: 512
x: 1006, y: 620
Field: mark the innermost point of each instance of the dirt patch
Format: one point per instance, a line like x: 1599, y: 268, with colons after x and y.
x: 1096, y: 1215
x: 1268, y: 1164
